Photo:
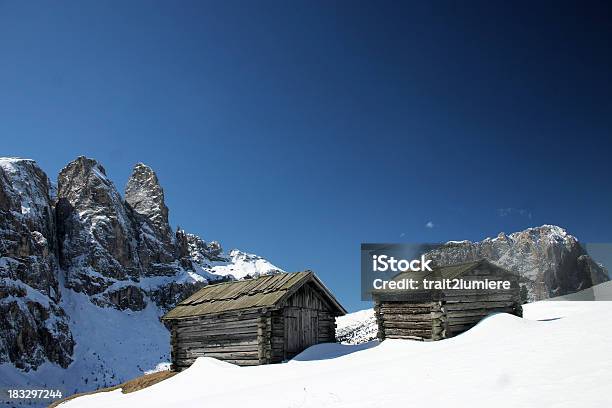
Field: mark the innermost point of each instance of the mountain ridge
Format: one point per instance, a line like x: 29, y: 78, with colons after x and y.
x: 551, y: 261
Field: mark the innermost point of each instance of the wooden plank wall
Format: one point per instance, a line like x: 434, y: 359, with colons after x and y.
x: 465, y: 308
x: 230, y: 337
x: 277, y: 341
x: 408, y: 320
x: 307, y: 303
x: 264, y: 338
x: 327, y: 327
x: 308, y: 297
x: 456, y: 312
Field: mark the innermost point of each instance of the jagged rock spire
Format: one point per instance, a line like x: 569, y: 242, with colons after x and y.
x: 146, y: 197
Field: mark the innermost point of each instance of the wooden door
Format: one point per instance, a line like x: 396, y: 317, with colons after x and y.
x: 292, y: 332
x: 310, y: 322
x: 301, y: 330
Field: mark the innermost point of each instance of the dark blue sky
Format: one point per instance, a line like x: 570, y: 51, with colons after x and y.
x: 298, y: 130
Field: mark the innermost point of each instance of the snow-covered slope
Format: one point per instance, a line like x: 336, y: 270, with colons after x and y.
x: 356, y: 328
x: 360, y: 327
x: 242, y: 265
x: 111, y: 346
x: 211, y: 263
x: 542, y: 360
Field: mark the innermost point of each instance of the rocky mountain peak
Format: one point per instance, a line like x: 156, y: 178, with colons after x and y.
x: 94, y: 227
x: 145, y: 196
x: 545, y: 232
x: 83, y: 181
x: 551, y: 261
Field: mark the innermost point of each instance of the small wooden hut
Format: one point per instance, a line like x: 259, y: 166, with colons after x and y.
x: 264, y: 320
x: 437, y: 314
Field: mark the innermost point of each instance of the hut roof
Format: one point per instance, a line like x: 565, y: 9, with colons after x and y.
x: 268, y: 291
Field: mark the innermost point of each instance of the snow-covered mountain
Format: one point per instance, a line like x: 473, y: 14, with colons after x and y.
x: 85, y: 274
x: 551, y: 261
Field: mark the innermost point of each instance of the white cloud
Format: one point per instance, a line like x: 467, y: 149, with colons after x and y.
x: 429, y: 224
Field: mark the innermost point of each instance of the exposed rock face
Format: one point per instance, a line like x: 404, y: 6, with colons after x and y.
x: 98, y: 243
x: 145, y: 195
x: 33, y: 328
x: 126, y: 297
x: 195, y: 249
x: 166, y: 296
x: 108, y: 244
x: 27, y: 225
x: 75, y: 262
x: 156, y: 245
x: 552, y: 261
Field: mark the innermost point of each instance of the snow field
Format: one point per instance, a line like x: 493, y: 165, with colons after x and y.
x: 559, y: 355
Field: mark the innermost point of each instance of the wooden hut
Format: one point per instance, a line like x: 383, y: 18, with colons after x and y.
x: 437, y: 314
x: 256, y: 321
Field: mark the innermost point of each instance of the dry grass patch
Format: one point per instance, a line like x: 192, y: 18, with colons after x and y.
x: 136, y: 384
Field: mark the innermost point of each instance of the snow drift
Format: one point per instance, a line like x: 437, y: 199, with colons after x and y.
x: 559, y: 355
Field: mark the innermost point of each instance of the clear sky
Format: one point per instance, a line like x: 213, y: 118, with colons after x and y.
x: 297, y: 130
